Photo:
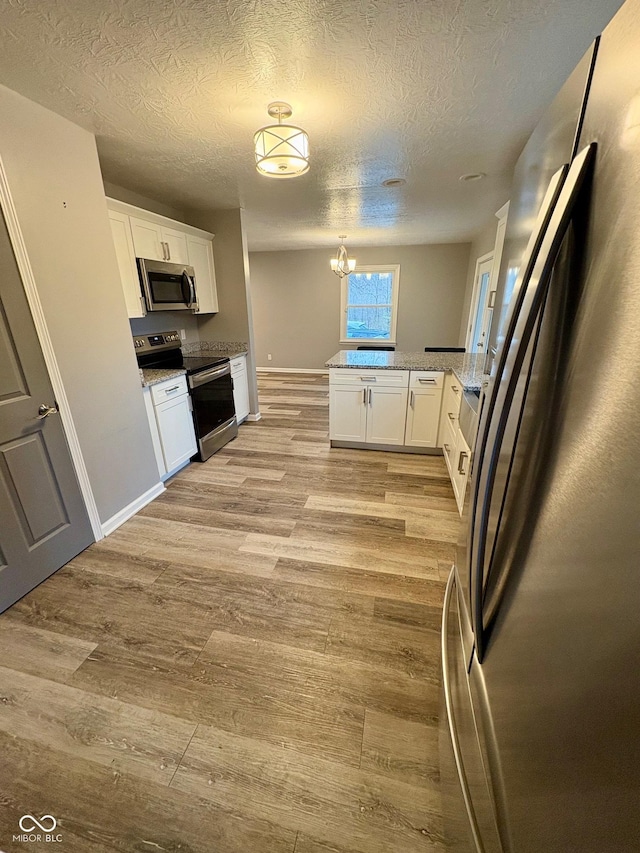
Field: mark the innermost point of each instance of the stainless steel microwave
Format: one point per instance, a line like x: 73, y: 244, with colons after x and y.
x: 168, y: 287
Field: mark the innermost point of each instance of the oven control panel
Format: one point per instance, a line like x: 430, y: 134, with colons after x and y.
x: 163, y: 340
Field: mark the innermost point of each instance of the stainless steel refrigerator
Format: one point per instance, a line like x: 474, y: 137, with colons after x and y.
x: 540, y: 736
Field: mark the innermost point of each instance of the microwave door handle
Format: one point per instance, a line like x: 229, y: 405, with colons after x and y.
x: 185, y: 287
x: 514, y: 360
x: 192, y: 290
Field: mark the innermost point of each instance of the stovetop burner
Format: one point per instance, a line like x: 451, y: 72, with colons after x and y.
x: 163, y: 350
x: 194, y: 363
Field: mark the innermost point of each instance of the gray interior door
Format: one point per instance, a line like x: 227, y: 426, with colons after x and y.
x: 43, y: 520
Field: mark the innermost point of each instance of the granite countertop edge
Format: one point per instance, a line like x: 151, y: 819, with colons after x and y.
x: 466, y: 366
x: 152, y: 376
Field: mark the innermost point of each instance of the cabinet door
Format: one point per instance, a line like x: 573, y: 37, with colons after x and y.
x: 176, y: 246
x: 386, y: 415
x: 201, y: 259
x: 240, y: 388
x: 347, y: 413
x: 125, y: 254
x: 423, y: 417
x: 177, y: 435
x: 147, y: 240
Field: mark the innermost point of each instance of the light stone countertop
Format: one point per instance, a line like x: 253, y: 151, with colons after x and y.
x: 224, y: 349
x: 151, y: 376
x: 466, y: 366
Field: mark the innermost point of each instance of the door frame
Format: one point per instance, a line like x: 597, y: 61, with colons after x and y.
x: 475, y: 296
x: 42, y: 331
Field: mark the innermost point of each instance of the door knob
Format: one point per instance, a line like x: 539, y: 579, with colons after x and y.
x: 44, y: 411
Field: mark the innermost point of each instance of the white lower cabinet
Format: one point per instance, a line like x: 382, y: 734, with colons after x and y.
x: 240, y: 387
x: 347, y: 413
x: 369, y: 406
x: 169, y: 411
x: 386, y: 415
x: 423, y: 413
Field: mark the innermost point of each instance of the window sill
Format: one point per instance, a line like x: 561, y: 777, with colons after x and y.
x: 369, y: 342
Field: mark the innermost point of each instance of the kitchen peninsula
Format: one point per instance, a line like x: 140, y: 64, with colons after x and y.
x: 406, y: 402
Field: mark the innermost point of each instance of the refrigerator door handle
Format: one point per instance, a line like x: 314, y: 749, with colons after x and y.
x: 488, y: 409
x: 524, y: 329
x: 450, y: 590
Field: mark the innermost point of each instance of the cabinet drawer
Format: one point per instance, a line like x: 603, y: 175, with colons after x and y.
x: 426, y: 379
x: 168, y: 390
x: 362, y: 377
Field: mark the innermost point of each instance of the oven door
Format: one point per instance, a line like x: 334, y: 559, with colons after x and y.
x: 214, y: 414
x: 168, y: 287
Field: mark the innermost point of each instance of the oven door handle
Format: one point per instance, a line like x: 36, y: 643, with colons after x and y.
x: 198, y: 379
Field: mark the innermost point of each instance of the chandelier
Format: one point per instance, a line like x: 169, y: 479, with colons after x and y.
x: 342, y: 265
x: 282, y: 150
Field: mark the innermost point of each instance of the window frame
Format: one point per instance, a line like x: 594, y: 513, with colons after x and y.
x: 395, y: 290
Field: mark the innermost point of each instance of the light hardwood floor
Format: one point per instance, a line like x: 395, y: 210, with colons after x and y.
x: 250, y: 665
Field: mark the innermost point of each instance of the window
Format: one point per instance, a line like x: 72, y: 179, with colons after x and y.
x: 370, y: 305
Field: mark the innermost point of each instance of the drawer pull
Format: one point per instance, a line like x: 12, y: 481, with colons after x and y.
x: 428, y: 381
x: 169, y: 390
x: 464, y: 455
x: 451, y: 416
x: 368, y: 379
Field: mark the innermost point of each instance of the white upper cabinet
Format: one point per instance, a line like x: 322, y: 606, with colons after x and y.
x: 139, y: 233
x: 200, y: 254
x: 147, y: 240
x: 176, y: 246
x: 125, y: 254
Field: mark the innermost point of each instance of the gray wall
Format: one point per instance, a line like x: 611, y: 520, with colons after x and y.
x: 483, y: 243
x: 234, y: 322
x: 143, y: 201
x: 166, y: 321
x: 54, y: 177
x: 296, y: 300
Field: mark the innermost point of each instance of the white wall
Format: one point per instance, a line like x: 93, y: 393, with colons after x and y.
x: 483, y: 243
x: 296, y: 300
x: 55, y: 180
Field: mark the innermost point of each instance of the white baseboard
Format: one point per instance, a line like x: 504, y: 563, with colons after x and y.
x: 131, y: 509
x: 253, y: 418
x: 291, y: 370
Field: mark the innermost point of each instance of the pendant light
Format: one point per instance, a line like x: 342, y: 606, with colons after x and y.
x: 342, y: 265
x: 282, y: 150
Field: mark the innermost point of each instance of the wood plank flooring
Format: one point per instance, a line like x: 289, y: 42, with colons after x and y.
x: 250, y: 664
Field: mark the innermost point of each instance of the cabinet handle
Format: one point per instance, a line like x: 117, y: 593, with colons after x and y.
x: 463, y: 455
x: 370, y: 397
x: 447, y: 448
x: 412, y: 399
x: 455, y: 389
x: 451, y: 416
x: 428, y: 381
x: 169, y: 390
x: 364, y: 396
x: 168, y: 251
x: 164, y: 251
x: 368, y: 379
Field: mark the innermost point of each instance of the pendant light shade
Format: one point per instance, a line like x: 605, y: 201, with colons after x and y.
x: 282, y: 150
x: 342, y: 265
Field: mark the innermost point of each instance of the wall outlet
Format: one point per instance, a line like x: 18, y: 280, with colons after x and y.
x: 268, y: 356
x: 183, y: 334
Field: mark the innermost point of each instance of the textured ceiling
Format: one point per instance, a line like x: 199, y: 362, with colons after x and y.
x: 421, y: 89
